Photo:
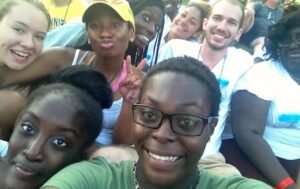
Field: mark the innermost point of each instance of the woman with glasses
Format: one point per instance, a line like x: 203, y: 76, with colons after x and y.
x: 266, y: 108
x: 172, y: 127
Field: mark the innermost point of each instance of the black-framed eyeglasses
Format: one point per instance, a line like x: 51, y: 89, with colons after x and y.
x: 182, y: 124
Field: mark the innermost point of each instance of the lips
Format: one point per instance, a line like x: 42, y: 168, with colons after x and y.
x: 106, y: 44
x: 163, y: 158
x: 25, y: 171
x: 19, y: 55
x: 220, y: 35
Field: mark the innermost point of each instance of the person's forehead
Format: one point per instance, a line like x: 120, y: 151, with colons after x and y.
x: 227, y: 9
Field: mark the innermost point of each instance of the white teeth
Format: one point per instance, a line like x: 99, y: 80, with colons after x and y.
x: 163, y: 158
x: 144, y: 38
x: 22, y: 54
x: 295, y: 55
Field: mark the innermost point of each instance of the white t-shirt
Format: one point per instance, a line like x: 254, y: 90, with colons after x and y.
x: 3, y: 148
x: 228, y: 71
x: 270, y: 81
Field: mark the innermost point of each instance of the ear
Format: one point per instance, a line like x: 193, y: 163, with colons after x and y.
x: 204, y: 24
x: 131, y: 35
x: 238, y: 35
x: 212, y: 123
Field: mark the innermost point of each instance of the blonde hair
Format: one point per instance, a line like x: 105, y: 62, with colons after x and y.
x: 6, y: 5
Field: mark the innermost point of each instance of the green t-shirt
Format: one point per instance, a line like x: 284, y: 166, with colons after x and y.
x: 99, y: 174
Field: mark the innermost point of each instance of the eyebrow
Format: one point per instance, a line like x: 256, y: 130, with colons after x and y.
x: 69, y: 130
x: 153, y: 101
x: 26, y: 26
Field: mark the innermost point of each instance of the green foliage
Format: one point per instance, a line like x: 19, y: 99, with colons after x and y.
x: 185, y: 2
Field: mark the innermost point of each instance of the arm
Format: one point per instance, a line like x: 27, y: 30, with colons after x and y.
x: 47, y: 62
x: 123, y: 126
x: 249, y: 114
x: 129, y: 89
x: 72, y: 34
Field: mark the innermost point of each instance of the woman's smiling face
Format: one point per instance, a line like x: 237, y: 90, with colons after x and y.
x: 22, y: 32
x: 166, y: 158
x: 148, y: 22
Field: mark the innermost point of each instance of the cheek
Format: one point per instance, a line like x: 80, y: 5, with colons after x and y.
x: 16, y: 146
x: 140, y: 133
x: 91, y: 36
x: 38, y: 48
x: 58, y: 160
x: 193, y: 29
x: 139, y: 23
x: 9, y: 40
x: 196, y: 145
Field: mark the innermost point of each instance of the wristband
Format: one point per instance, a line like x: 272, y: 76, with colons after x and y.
x: 285, y: 183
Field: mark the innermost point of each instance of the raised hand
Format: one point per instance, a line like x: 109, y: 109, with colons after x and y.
x: 130, y: 86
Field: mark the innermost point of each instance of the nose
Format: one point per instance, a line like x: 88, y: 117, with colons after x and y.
x: 34, y: 150
x: 185, y: 21
x: 164, y: 133
x: 28, y: 41
x: 222, y: 25
x: 104, y: 31
x: 151, y: 30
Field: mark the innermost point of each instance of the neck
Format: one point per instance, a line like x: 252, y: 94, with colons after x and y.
x: 211, y: 56
x: 108, y: 66
x: 271, y: 5
x: 189, y: 182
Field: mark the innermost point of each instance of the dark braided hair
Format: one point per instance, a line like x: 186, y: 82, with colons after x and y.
x: 193, y: 68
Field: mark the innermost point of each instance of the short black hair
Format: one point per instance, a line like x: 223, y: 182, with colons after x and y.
x: 191, y: 67
x: 139, y: 5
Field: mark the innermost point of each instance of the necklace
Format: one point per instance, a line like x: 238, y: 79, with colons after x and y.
x: 137, y: 186
x: 223, y: 63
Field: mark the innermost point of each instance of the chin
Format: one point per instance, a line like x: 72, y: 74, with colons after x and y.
x: 163, y: 180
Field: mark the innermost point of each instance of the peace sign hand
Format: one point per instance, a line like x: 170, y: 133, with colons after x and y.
x: 130, y: 86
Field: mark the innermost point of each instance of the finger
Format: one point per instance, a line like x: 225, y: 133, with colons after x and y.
x: 128, y: 64
x: 141, y: 64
